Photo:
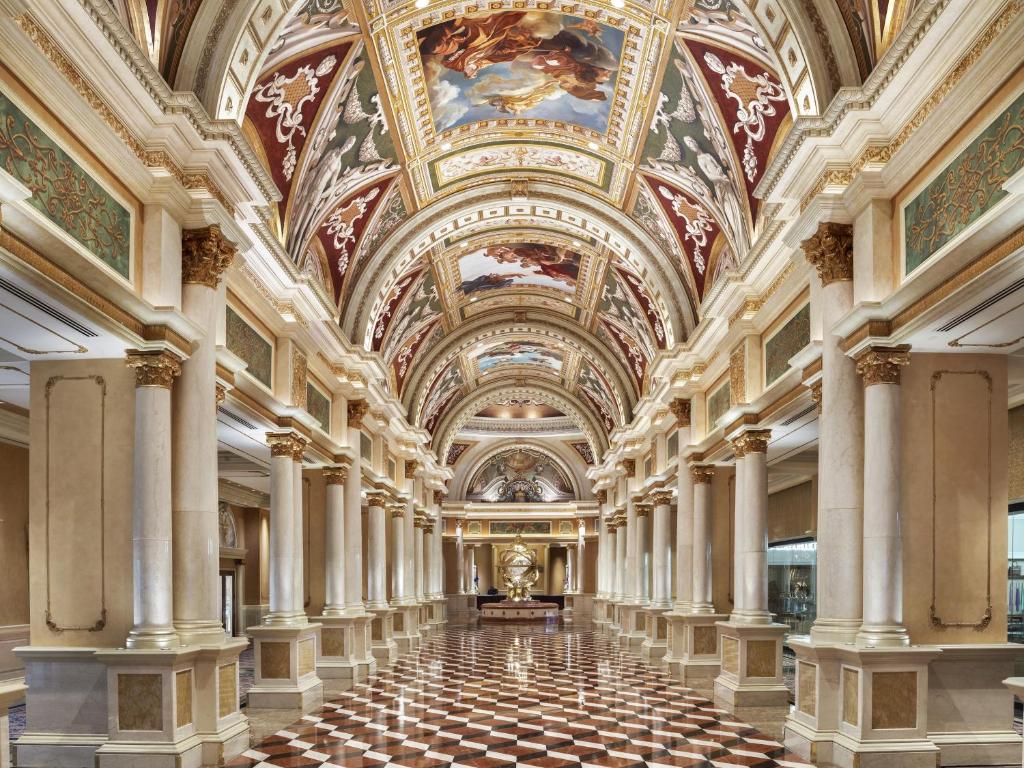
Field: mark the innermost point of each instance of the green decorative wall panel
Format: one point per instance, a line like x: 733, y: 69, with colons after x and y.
x: 245, y: 342
x: 318, y: 405
x: 965, y: 188
x: 718, y: 404
x: 63, y: 191
x: 511, y: 527
x: 790, y: 339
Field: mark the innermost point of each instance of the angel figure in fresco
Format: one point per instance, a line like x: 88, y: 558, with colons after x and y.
x: 490, y: 282
x: 556, y: 263
x: 469, y: 44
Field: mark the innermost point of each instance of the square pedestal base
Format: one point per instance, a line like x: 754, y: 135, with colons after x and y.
x: 655, y: 642
x: 345, y: 647
x: 220, y: 724
x: 286, y: 675
x: 861, y: 706
x: 693, y: 653
x: 751, y: 666
x: 631, y: 625
x: 438, y: 611
x: 382, y: 636
x: 462, y: 607
x: 601, y: 612
x: 570, y: 607
x: 405, y: 627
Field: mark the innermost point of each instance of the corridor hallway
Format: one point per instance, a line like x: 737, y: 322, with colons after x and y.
x: 487, y: 695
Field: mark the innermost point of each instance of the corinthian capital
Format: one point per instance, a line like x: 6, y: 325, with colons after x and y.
x: 356, y: 410
x: 681, y: 410
x: 205, y: 254
x: 881, y: 365
x: 830, y: 251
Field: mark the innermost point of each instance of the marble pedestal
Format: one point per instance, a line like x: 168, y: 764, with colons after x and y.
x: 970, y: 712
x: 655, y: 642
x: 462, y: 607
x: 601, y: 613
x: 614, y: 625
x: 345, y: 648
x: 693, y: 655
x: 1016, y: 688
x: 11, y: 692
x: 631, y: 625
x: 861, y: 707
x: 382, y: 636
x: 151, y: 709
x: 405, y: 627
x: 438, y: 611
x: 569, y: 601
x: 220, y: 724
x: 751, y: 666
x: 423, y: 617
x: 286, y: 675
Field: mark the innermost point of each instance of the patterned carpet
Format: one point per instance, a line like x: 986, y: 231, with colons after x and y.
x: 523, y: 695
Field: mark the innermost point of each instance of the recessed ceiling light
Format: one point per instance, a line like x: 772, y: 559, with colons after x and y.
x: 446, y: 146
x: 423, y: 3
x: 592, y: 145
x: 575, y: 243
x: 472, y: 298
x: 615, y: 3
x: 569, y: 299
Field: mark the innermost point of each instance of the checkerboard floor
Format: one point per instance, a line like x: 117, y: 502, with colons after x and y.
x: 519, y: 695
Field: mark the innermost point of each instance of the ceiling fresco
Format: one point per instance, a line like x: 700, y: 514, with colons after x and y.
x: 518, y: 192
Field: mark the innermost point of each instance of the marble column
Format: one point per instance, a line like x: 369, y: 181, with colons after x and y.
x: 152, y: 561
x: 883, y: 543
x: 471, y: 568
x: 421, y: 556
x: 631, y: 572
x: 581, y: 552
x: 684, y: 512
x: 752, y: 531
x: 398, y: 561
x: 739, y: 518
x: 621, y: 547
x: 643, y: 555
x: 285, y: 603
x: 357, y: 409
x: 701, y: 479
x: 409, y: 536
x: 376, y: 584
x: 334, y: 546
x: 460, y: 560
x: 840, y: 447
x: 298, y: 518
x: 205, y: 255
x: 661, y: 544
x: 570, y: 568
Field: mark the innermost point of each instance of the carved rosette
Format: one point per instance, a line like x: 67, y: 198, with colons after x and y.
x: 154, y: 369
x: 377, y: 500
x: 881, y: 365
x: 830, y: 252
x: 410, y: 469
x: 661, y: 498
x: 702, y: 474
x: 284, y: 444
x: 356, y: 410
x: 336, y: 475
x: 754, y: 441
x: 629, y: 467
x: 205, y: 254
x: 680, y: 408
x: 643, y: 509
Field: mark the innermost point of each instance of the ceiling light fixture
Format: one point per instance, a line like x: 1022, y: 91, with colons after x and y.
x: 615, y: 3
x: 423, y: 3
x: 592, y: 145
x: 446, y: 146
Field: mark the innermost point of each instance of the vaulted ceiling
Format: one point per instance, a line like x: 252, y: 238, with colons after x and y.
x: 516, y: 199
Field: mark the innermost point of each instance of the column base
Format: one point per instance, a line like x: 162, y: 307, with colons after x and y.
x: 693, y: 653
x: 614, y: 625
x: 568, y: 601
x: 601, y: 618
x: 861, y: 706
x: 423, y: 617
x: 655, y: 642
x: 286, y: 675
x: 382, y: 640
x: 438, y: 611
x: 151, y: 709
x: 220, y: 724
x: 345, y: 647
x: 462, y: 606
x: 631, y: 625
x: 405, y: 627
x: 751, y: 665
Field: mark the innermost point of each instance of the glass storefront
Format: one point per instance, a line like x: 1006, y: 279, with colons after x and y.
x: 1015, y: 575
x: 792, y: 567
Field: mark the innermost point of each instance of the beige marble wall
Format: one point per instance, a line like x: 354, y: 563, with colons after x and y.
x: 14, y: 608
x: 793, y: 512
x: 80, y: 528
x: 1016, y: 459
x: 314, y: 560
x: 722, y: 515
x: 954, y: 498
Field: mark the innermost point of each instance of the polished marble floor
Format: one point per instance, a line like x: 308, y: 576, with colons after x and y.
x: 533, y: 695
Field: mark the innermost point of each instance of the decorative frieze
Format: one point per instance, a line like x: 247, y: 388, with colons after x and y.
x: 881, y: 365
x: 154, y: 369
x: 830, y: 252
x: 205, y: 254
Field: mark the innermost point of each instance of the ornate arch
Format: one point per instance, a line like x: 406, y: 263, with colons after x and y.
x: 469, y: 473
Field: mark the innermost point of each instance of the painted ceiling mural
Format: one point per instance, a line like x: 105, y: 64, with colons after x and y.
x: 520, y: 475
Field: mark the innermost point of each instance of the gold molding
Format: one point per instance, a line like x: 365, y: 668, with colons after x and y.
x: 881, y: 365
x: 153, y: 369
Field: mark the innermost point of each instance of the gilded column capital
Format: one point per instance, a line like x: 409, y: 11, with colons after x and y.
x: 153, y: 369
x: 282, y: 444
x: 356, y: 410
x: 205, y: 254
x: 816, y: 394
x: 629, y: 467
x: 377, y: 500
x: 410, y: 469
x: 601, y: 496
x: 337, y: 475
x: 754, y: 441
x: 298, y: 448
x: 881, y: 365
x: 643, y: 508
x: 830, y: 251
x: 661, y: 498
x: 680, y: 408
x: 396, y: 509
x: 438, y: 497
x: 739, y: 448
x: 221, y: 393
x: 702, y: 473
